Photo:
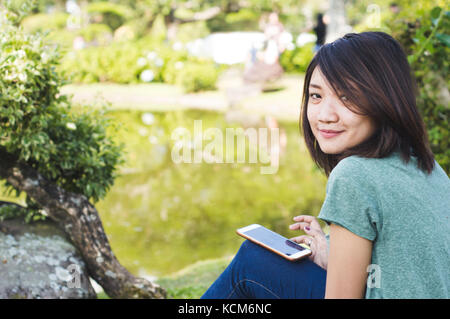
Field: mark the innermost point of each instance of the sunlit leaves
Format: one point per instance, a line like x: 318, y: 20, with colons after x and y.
x: 38, y: 125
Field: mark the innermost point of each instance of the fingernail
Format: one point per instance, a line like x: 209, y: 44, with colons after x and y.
x: 307, y: 228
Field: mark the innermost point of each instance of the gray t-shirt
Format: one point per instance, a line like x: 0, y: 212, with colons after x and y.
x: 405, y: 213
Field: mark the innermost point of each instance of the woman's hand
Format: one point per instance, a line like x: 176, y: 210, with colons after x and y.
x: 314, y: 238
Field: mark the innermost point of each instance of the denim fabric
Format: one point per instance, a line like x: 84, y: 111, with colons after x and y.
x: 256, y: 272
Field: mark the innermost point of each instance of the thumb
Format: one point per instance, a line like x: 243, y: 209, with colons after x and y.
x: 304, y: 239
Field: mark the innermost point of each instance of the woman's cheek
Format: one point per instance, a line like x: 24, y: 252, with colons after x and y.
x: 312, y: 121
x: 311, y: 117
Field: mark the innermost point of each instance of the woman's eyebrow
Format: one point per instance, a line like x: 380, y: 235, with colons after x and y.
x: 315, y: 86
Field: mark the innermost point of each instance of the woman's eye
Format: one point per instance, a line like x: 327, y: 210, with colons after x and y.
x: 314, y: 96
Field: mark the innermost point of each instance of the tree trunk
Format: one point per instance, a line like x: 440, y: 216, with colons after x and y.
x: 337, y: 25
x: 81, y: 221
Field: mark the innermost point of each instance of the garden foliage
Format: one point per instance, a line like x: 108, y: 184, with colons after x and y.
x: 425, y: 38
x: 297, y: 60
x: 140, y: 61
x: 37, y: 124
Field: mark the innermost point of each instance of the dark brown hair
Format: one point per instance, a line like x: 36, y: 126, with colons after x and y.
x: 371, y: 70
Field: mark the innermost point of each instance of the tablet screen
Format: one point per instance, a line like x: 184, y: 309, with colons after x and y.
x: 274, y: 240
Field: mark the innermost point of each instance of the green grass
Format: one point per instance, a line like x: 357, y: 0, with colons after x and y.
x: 190, y: 282
x: 102, y: 295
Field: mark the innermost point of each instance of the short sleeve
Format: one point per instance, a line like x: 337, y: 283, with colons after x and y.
x: 351, y: 201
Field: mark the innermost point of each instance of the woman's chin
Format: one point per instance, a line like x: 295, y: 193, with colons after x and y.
x: 330, y: 149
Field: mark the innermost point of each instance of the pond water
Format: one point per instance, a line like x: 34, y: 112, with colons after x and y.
x: 161, y: 216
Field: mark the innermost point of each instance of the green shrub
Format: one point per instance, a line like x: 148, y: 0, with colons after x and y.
x: 191, y: 31
x: 173, y: 65
x: 195, y: 77
x: 101, y: 33
x: 62, y: 38
x: 121, y: 62
x: 111, y: 14
x: 427, y: 42
x: 144, y: 60
x: 37, y: 124
x: 114, y: 63
x: 297, y: 60
x: 44, y: 22
x: 159, y: 28
x: 244, y: 20
x: 55, y: 24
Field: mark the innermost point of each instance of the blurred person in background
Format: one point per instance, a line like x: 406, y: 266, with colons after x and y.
x: 321, y: 31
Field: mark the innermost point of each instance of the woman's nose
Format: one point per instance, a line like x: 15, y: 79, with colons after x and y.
x: 327, y: 112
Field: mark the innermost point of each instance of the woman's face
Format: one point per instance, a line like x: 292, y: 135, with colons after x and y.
x: 334, y: 126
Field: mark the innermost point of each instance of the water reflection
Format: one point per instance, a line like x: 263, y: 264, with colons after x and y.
x: 161, y: 216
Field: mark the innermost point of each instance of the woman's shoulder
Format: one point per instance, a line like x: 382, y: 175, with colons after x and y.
x: 385, y: 170
x: 350, y: 166
x: 363, y: 168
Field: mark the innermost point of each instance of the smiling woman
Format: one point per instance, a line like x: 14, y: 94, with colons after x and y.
x: 361, y: 87
x: 386, y: 201
x: 335, y: 126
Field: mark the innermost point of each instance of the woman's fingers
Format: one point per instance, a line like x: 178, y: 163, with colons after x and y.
x: 308, y: 219
x: 306, y: 227
x: 299, y: 226
x: 304, y: 239
x: 311, y: 232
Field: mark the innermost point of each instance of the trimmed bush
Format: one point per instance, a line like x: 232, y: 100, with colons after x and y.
x: 42, y: 22
x: 195, y: 77
x: 144, y: 60
x: 297, y: 60
x: 111, y: 14
x: 37, y: 125
x: 100, y: 33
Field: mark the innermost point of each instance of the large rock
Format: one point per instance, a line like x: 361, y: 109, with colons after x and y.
x: 37, y: 260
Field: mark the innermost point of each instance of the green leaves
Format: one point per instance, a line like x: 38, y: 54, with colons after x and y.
x: 38, y: 125
x: 13, y: 211
x: 426, y: 35
x: 444, y: 38
x: 427, y: 42
x: 435, y: 13
x: 137, y: 61
x: 195, y: 77
x: 297, y: 60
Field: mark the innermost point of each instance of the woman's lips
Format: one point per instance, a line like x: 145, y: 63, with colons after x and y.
x: 329, y: 133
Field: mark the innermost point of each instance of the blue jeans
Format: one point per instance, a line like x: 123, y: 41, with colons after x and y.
x: 256, y: 272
